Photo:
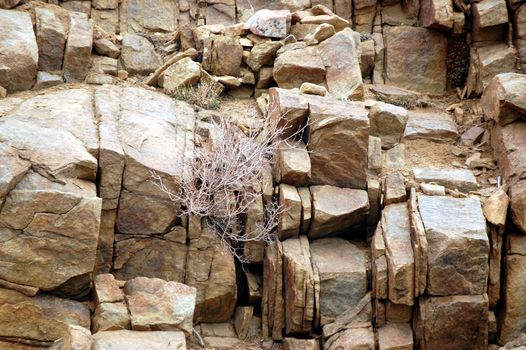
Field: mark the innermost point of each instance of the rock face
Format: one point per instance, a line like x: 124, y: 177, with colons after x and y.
x: 19, y: 59
x: 452, y: 322
x: 137, y: 16
x: 338, y: 139
x: 341, y: 267
x: 456, y: 245
x: 336, y: 210
x: 415, y: 59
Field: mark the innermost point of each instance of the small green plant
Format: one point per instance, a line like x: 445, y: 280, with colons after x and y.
x: 403, y: 101
x: 204, y: 94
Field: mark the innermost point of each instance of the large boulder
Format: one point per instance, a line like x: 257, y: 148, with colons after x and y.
x: 51, y: 39
x: 341, y: 58
x: 138, y: 55
x: 342, y: 269
x: 336, y: 210
x: 431, y: 125
x: 338, y: 139
x: 224, y: 56
x: 457, y: 322
x: 458, y: 245
x: 437, y: 14
x: 19, y: 59
x: 490, y: 20
x: 388, y: 123
x: 504, y: 99
x: 137, y: 16
x: 294, y: 67
x: 290, y: 108
x: 270, y: 23
x: 415, y: 59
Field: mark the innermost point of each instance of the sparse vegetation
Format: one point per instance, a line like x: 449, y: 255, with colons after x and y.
x: 402, y: 101
x: 204, y: 94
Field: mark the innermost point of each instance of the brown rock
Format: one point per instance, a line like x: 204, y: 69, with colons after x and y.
x: 459, y: 179
x: 338, y: 139
x: 106, y: 289
x: 296, y: 66
x: 504, y: 99
x: 455, y: 245
x: 399, y: 253
x: 293, y: 163
x: 388, y: 123
x: 111, y: 317
x: 452, y: 322
x: 272, y: 300
x: 225, y: 56
x: 336, y: 210
x: 183, y: 73
x: 495, y: 207
x: 435, y: 126
x: 343, y: 275
x: 395, y: 336
x: 157, y: 304
x: 290, y: 218
x: 107, y: 48
x: 132, y: 340
x: 138, y: 55
x: 341, y: 58
x: 78, y: 47
x: 422, y: 70
x: 306, y: 209
x: 300, y: 344
x: 290, y: 107
x: 398, y: 313
x: 437, y: 14
x: 18, y: 63
x: 490, y: 19
x: 154, y: 16
x: 51, y: 39
x: 395, y: 191
x: 313, y: 89
x: 242, y: 320
x: 263, y: 55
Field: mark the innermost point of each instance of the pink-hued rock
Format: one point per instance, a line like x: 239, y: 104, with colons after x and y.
x: 270, y: 23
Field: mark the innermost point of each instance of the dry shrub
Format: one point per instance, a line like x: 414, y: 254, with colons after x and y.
x: 205, y: 94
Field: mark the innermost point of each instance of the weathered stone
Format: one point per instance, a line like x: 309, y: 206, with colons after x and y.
x: 102, y: 65
x: 306, y: 209
x: 293, y: 163
x: 388, y: 123
x: 299, y: 292
x: 7, y: 4
x: 223, y: 329
x: 459, y: 179
x: 472, y: 136
x: 354, y: 339
x: 486, y: 62
x: 375, y: 154
x: 452, y: 322
x: 108, y: 20
x: 263, y: 55
x: 336, y: 210
x: 395, y: 336
x: 105, y: 4
x: 19, y: 59
x: 223, y: 12
x: 300, y: 344
x: 393, y: 14
x: 272, y: 300
x: 436, y: 126
x: 432, y: 190
x: 313, y: 89
x: 512, y: 321
x: 290, y: 218
x: 210, y: 268
x: 395, y: 191
x: 78, y: 48
x: 183, y: 73
x: 495, y: 207
x: 51, y: 39
x: 509, y: 145
x: 225, y: 56
x: 490, y: 19
x: 322, y: 32
x: 336, y: 21
x: 399, y: 253
x: 110, y: 317
x: 338, y: 139
x: 106, y: 289
x: 422, y: 69
x: 457, y: 242
x: 343, y: 275
x: 437, y: 14
x: 138, y: 55
x: 242, y: 320
x: 105, y: 47
x: 297, y: 66
x: 254, y: 250
x: 290, y: 107
x: 137, y: 16
x: 157, y: 304
x: 269, y: 23
x: 380, y: 277
x: 504, y: 99
x: 367, y: 57
x: 341, y: 59
x: 46, y: 80
x: 132, y: 340
x: 398, y: 313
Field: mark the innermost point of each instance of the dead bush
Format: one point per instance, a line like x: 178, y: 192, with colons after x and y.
x: 205, y: 94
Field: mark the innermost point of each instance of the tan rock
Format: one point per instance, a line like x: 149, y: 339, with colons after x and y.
x: 398, y: 313
x: 395, y: 191
x: 395, y: 336
x: 105, y: 4
x: 138, y: 55
x: 51, y: 39
x: 459, y: 179
x: 154, y: 16
x: 410, y: 68
x: 322, y: 32
x: 157, y: 304
x: 452, y: 322
x: 419, y: 243
x: 503, y: 98
x: 181, y: 74
x: 18, y: 64
x: 336, y: 210
x: 132, y: 340
x: 336, y: 21
x: 455, y: 245
x: 242, y: 320
x: 106, y: 47
x: 313, y: 89
x: 293, y: 163
x: 343, y: 275
x: 290, y: 218
x: 341, y: 58
x: 108, y: 20
x: 111, y: 317
x: 272, y: 301
x: 300, y: 344
x: 263, y: 55
x: 399, y: 253
x: 336, y: 126
x: 78, y: 47
x: 489, y: 19
x: 225, y: 56
x: 290, y: 107
x: 106, y: 289
x: 306, y: 209
x: 435, y: 126
x: 495, y: 207
x: 296, y: 66
x: 388, y: 123
x: 437, y: 14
